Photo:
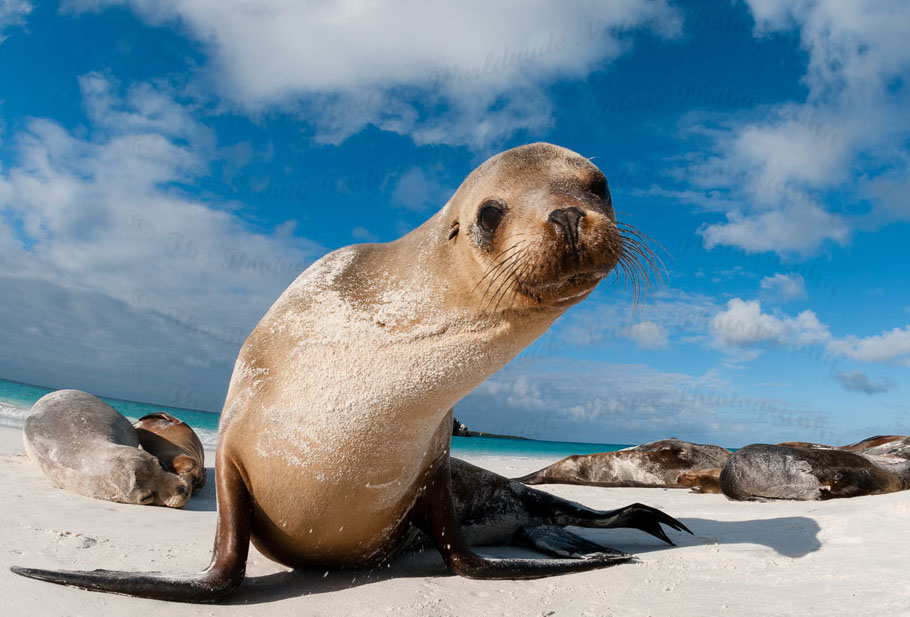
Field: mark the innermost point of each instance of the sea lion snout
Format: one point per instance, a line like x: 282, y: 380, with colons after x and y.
x: 566, y: 220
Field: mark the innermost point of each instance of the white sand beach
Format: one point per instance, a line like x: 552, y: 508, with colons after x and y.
x: 840, y: 557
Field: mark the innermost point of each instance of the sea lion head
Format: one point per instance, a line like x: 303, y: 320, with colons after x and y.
x: 540, y: 230
x: 151, y: 483
x: 175, y: 444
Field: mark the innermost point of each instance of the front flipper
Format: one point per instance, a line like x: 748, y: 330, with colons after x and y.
x: 227, y: 569
x: 560, y: 542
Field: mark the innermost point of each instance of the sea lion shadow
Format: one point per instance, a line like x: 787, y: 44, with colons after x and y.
x: 294, y: 583
x: 789, y: 536
x: 204, y: 500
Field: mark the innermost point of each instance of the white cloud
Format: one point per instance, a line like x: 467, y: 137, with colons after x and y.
x: 891, y: 346
x: 353, y: 63
x: 847, y: 139
x: 784, y: 286
x: 98, y: 217
x: 13, y: 13
x: 801, y: 228
x: 419, y: 190
x: 858, y: 381
x: 364, y: 234
x: 576, y: 400
x: 648, y: 335
x: 603, y: 317
x: 743, y: 324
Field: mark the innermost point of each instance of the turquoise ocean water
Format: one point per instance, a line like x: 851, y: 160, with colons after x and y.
x: 17, y: 398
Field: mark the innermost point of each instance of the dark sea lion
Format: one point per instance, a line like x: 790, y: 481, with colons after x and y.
x: 763, y: 472
x: 493, y: 510
x: 85, y: 446
x: 334, y: 438
x: 657, y: 464
x: 175, y: 444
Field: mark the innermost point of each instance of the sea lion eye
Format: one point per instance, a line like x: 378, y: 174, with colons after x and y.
x: 599, y: 186
x: 147, y: 499
x: 489, y: 216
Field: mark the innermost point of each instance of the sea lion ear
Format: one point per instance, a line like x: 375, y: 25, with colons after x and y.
x: 453, y: 230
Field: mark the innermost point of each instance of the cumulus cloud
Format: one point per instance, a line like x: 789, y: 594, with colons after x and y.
x: 604, y: 317
x: 419, y: 190
x: 783, y: 166
x: 648, y: 335
x: 576, y: 400
x: 99, y: 218
x: 480, y: 67
x: 891, y: 346
x: 13, y: 13
x: 784, y: 287
x: 743, y: 323
x: 858, y: 381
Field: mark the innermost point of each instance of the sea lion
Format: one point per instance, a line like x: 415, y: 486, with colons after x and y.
x: 762, y: 472
x: 805, y: 444
x: 892, y: 455
x: 492, y: 509
x: 175, y: 444
x: 85, y: 446
x: 705, y: 481
x: 872, y: 442
x: 657, y: 464
x: 334, y: 438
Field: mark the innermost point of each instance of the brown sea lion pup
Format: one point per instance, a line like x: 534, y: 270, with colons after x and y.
x: 805, y: 444
x: 763, y: 472
x: 85, y: 446
x: 334, y: 438
x: 892, y: 455
x: 175, y: 444
x: 657, y: 464
x: 872, y: 442
x: 701, y: 481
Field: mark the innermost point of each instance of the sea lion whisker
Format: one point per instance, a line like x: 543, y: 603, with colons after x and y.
x: 493, y: 269
x: 514, y: 258
x: 514, y: 284
x: 508, y: 273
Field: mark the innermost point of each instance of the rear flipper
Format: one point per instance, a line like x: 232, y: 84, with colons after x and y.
x: 637, y: 516
x: 491, y: 508
x: 228, y: 567
x: 560, y: 542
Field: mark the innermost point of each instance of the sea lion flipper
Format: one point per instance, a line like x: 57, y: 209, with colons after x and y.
x: 560, y: 542
x: 641, y: 517
x: 435, y: 513
x: 224, y: 574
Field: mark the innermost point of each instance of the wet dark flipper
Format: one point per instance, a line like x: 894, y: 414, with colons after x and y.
x: 560, y: 542
x: 638, y: 516
x: 200, y: 588
x: 436, y: 515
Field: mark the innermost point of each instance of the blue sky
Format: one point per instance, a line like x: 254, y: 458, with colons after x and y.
x: 167, y: 168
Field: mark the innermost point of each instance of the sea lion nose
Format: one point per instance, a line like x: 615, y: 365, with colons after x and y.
x: 181, y: 491
x: 567, y: 220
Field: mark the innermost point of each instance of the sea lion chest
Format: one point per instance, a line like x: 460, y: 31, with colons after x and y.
x: 336, y: 410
